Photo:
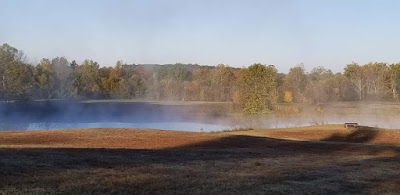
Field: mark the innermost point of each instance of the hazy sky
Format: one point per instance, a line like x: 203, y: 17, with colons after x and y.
x: 328, y: 33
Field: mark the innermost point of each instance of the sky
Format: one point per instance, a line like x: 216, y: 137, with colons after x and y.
x: 285, y: 33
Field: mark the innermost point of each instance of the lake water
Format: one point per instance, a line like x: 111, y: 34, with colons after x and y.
x: 178, y: 126
x: 49, y: 115
x: 189, y: 117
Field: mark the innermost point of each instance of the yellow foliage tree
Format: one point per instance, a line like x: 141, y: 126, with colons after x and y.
x: 288, y: 97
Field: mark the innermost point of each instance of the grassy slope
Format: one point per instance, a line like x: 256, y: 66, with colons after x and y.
x: 169, y: 162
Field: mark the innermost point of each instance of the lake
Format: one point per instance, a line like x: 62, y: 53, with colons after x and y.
x: 181, y: 116
x: 48, y: 115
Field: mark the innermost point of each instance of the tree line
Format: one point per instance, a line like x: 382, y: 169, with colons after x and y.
x: 255, y: 88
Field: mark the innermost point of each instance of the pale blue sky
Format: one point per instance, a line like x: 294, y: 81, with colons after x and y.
x: 328, y: 33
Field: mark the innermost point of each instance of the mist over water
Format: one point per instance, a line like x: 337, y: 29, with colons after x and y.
x: 178, y: 126
x: 191, y: 116
x: 280, y: 122
x: 49, y: 115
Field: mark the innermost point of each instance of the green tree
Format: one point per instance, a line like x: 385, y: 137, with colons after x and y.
x: 8, y: 57
x: 87, y: 79
x: 16, y: 76
x: 18, y: 81
x: 258, y: 89
x: 47, y: 80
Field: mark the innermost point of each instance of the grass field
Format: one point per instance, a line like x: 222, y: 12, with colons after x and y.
x: 123, y: 161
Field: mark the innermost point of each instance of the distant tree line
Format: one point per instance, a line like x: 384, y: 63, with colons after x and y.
x: 255, y: 88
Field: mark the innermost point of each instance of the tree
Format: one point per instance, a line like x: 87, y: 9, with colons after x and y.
x: 222, y: 81
x: 338, y: 88
x: 18, y: 81
x: 113, y: 82
x: 8, y: 56
x: 377, y: 80
x: 201, y: 85
x: 135, y: 85
x: 47, y: 79
x: 132, y: 83
x: 355, y: 74
x: 87, y: 80
x: 394, y: 70
x: 172, y: 79
x: 258, y: 89
x: 73, y: 64
x: 316, y: 89
x: 16, y: 76
x: 295, y: 82
x: 62, y: 72
x: 287, y: 97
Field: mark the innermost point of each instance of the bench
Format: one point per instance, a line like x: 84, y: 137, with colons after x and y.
x: 351, y: 125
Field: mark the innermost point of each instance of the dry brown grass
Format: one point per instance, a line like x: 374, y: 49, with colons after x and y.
x: 122, y: 161
x: 335, y: 133
x: 101, y: 138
